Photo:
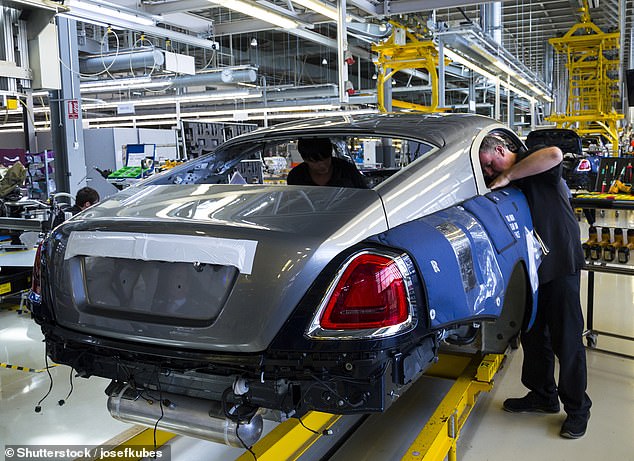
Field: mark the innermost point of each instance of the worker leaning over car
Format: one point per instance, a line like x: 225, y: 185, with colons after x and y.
x: 558, y: 327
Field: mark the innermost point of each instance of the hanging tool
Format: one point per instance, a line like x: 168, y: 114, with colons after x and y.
x: 623, y: 253
x: 610, y: 250
x: 592, y: 240
x: 596, y: 250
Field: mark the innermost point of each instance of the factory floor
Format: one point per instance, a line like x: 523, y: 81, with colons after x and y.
x: 490, y: 434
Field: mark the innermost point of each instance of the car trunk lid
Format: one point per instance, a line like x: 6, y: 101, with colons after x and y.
x: 205, y: 267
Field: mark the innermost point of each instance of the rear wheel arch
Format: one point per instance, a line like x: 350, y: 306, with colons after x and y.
x: 515, y: 313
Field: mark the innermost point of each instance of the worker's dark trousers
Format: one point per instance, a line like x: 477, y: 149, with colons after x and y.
x: 557, y: 331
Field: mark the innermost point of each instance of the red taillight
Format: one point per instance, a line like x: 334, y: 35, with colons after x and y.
x: 371, y: 293
x: 37, y: 272
x: 584, y: 165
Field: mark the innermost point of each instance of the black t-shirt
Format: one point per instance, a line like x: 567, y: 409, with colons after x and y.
x: 344, y: 174
x: 554, y: 220
x: 64, y: 214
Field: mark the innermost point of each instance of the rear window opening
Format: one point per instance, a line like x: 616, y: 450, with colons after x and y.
x: 377, y: 158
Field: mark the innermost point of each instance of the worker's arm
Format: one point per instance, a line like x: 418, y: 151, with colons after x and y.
x: 539, y: 161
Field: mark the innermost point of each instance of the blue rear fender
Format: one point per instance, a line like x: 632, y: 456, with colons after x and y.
x: 466, y: 254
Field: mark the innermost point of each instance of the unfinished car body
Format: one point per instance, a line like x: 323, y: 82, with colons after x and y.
x: 230, y: 302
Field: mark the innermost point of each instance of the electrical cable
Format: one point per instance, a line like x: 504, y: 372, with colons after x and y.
x: 158, y: 384
x: 248, y: 448
x: 70, y: 376
x: 29, y: 111
x: 143, y: 39
x: 38, y: 407
x: 106, y: 69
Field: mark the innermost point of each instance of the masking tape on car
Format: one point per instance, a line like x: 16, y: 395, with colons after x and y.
x: 163, y: 247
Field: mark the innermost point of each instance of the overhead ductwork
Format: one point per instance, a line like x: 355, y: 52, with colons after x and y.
x: 371, y: 31
x: 319, y: 91
x: 127, y: 61
x: 225, y: 76
x: 228, y: 76
x: 491, y: 20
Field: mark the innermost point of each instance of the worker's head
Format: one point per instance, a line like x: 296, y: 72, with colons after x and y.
x: 494, y: 156
x: 316, y: 152
x: 86, y: 196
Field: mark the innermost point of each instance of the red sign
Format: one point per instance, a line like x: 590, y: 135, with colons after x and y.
x: 73, y: 109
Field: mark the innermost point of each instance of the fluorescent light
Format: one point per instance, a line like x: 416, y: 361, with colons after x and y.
x: 116, y: 84
x: 258, y: 12
x: 215, y: 96
x: 106, y: 10
x: 320, y: 7
x: 81, y: 17
x: 465, y: 62
x: 504, y: 68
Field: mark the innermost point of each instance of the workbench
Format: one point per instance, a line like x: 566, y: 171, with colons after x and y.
x: 590, y: 203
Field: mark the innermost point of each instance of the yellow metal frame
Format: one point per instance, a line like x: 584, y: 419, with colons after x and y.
x: 592, y: 92
x: 414, y: 54
x: 290, y: 440
x: 437, y: 440
x: 473, y: 375
x: 135, y: 437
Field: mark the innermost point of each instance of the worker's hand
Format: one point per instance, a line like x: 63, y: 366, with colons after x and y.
x: 500, y: 180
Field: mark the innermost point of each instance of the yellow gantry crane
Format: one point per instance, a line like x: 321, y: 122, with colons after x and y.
x: 593, y: 87
x: 405, y: 50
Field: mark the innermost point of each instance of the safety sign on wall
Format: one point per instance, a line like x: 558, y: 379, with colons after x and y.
x: 73, y: 109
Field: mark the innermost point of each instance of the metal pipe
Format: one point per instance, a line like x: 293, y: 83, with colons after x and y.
x: 226, y: 76
x: 203, y: 419
x: 491, y: 20
x: 342, y: 47
x: 123, y: 61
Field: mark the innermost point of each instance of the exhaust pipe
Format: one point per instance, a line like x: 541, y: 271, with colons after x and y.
x: 200, y: 418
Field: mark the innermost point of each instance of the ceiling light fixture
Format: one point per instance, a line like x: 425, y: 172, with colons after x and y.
x: 254, y: 42
x: 324, y: 62
x: 83, y: 18
x: 106, y: 10
x: 117, y: 84
x: 215, y: 96
x: 465, y: 62
x: 320, y: 7
x: 258, y: 12
x: 504, y: 68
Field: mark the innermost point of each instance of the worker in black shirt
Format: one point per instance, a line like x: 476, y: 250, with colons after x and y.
x: 85, y: 197
x: 558, y: 327
x: 320, y: 168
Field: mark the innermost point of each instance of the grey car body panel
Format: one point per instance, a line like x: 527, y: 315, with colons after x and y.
x: 293, y: 246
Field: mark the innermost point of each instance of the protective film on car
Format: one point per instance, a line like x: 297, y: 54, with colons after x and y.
x: 161, y: 247
x: 480, y: 273
x: 456, y: 261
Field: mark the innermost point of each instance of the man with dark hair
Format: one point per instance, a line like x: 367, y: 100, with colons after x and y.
x: 320, y: 168
x: 85, y: 197
x: 558, y: 327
